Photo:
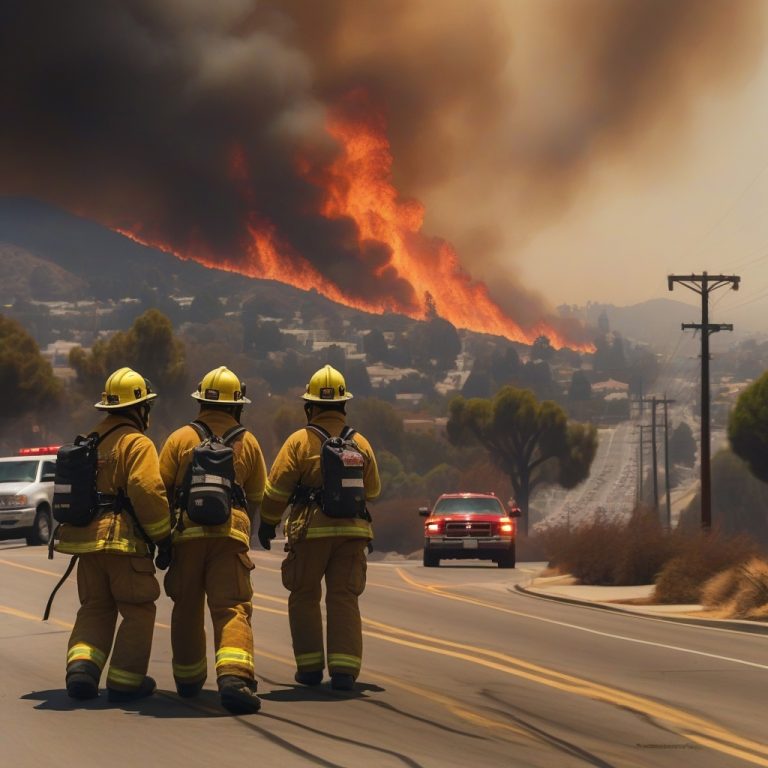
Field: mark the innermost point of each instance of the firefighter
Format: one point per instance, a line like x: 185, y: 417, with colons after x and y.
x: 115, y: 573
x: 213, y: 560
x: 320, y: 547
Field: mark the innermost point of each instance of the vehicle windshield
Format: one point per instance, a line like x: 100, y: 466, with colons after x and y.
x: 468, y: 507
x: 18, y: 471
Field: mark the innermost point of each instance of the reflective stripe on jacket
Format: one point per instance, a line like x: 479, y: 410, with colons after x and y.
x: 250, y: 474
x: 127, y: 460
x: 298, y: 462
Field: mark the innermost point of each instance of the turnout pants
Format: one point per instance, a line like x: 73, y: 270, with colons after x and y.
x: 109, y: 584
x: 342, y: 563
x: 219, y: 569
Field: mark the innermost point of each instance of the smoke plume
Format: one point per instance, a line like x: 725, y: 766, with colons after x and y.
x: 204, y: 127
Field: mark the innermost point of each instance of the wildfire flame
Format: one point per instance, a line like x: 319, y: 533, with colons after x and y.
x: 358, y: 185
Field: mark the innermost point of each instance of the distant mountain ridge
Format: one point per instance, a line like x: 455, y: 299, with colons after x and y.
x: 656, y: 322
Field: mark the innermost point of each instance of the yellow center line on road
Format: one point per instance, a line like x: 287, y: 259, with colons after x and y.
x: 30, y: 568
x: 687, y: 725
x: 696, y: 729
x: 684, y: 723
x: 440, y: 591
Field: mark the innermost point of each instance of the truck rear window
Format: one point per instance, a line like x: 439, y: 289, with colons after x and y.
x: 468, y: 507
x: 18, y: 471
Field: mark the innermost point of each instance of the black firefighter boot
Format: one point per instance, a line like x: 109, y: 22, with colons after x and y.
x: 238, y: 695
x: 147, y: 688
x: 83, y: 680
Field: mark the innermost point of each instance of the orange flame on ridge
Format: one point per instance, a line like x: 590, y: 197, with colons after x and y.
x: 358, y: 185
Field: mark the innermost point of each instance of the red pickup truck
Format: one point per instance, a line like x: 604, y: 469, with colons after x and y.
x: 470, y: 526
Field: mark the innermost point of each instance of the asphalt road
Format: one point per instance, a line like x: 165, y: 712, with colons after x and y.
x: 458, y: 671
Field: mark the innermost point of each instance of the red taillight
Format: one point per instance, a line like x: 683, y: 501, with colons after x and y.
x: 44, y: 450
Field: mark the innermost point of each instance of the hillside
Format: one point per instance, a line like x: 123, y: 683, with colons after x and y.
x: 92, y: 261
x: 26, y: 275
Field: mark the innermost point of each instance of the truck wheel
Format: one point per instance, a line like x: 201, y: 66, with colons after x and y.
x: 430, y: 560
x: 507, y: 560
x: 41, y: 527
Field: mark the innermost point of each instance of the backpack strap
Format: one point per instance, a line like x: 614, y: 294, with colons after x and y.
x: 99, y: 437
x: 319, y: 431
x: 204, y: 432
x: 232, y: 434
x: 120, y: 500
x: 348, y: 433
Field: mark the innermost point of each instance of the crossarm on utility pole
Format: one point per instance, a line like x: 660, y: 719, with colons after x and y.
x: 704, y: 284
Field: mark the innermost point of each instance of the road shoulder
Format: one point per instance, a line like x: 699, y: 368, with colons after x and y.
x: 562, y: 589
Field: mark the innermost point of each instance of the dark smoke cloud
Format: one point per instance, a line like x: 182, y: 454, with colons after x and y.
x: 129, y: 111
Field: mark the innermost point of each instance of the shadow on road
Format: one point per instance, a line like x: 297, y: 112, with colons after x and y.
x: 162, y: 705
x: 57, y: 700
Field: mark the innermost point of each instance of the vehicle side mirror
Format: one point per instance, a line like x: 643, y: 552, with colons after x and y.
x: 515, y: 512
x: 424, y: 511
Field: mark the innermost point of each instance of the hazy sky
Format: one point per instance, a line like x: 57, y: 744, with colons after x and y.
x: 684, y: 191
x: 703, y: 207
x: 570, y: 150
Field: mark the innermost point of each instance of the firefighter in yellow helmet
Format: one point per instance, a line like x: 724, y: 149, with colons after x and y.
x: 212, y: 560
x: 321, y: 546
x: 115, y: 573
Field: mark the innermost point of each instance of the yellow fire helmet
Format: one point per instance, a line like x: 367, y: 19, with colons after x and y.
x: 221, y: 386
x: 123, y: 388
x: 327, y: 386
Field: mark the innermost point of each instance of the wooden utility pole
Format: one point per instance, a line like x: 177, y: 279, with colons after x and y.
x: 704, y: 284
x: 641, y: 477
x: 654, y: 401
x: 666, y: 459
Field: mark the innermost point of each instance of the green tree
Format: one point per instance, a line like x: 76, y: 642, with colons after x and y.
x: 739, y: 500
x: 530, y: 441
x: 580, y: 388
x: 748, y: 427
x: 542, y: 349
x: 682, y: 445
x: 26, y: 378
x: 150, y: 348
x: 375, y: 346
x: 379, y: 422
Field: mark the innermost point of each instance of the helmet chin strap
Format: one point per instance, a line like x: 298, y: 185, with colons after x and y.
x: 308, y: 411
x: 142, y: 415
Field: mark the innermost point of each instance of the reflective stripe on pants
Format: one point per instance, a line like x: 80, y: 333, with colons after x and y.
x: 110, y: 584
x: 220, y: 569
x: 342, y: 563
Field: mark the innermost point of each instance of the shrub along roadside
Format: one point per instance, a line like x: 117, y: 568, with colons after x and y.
x: 740, y: 592
x: 612, y: 552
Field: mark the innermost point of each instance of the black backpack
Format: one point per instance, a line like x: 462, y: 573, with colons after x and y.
x: 342, y: 464
x: 75, y: 498
x: 209, y: 487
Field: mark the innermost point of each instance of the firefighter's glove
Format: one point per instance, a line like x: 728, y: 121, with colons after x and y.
x: 164, y: 552
x: 266, y: 533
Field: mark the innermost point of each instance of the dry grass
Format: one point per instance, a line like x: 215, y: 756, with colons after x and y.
x: 698, y: 559
x: 740, y: 592
x: 610, y: 551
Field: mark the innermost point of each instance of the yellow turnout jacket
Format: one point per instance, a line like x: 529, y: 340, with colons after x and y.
x: 128, y: 462
x: 298, y: 462
x: 250, y: 474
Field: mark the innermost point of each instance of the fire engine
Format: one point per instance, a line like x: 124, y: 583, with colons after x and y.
x: 470, y: 526
x: 26, y: 494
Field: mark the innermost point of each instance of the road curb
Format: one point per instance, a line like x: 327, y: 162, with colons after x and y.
x: 735, y: 625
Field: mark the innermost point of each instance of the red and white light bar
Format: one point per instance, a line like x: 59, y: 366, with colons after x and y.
x: 44, y: 450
